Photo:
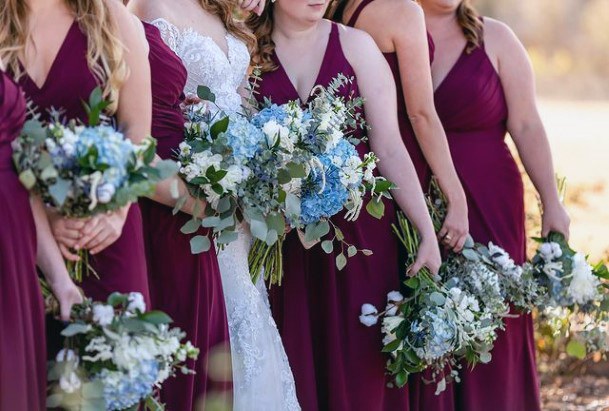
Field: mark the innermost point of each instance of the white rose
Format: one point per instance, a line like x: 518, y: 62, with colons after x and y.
x: 136, y: 303
x: 234, y: 176
x: 271, y: 130
x: 103, y: 314
x: 69, y: 383
x: 584, y: 284
x: 369, y: 315
x: 105, y: 193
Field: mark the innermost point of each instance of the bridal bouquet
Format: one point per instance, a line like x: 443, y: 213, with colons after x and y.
x: 328, y: 175
x: 441, y: 321
x: 80, y: 171
x: 116, y: 355
x: 573, y: 290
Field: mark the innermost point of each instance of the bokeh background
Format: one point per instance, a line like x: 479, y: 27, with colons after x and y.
x: 568, y: 42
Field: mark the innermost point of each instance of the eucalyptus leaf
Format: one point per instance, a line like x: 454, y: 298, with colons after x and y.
x: 199, y: 244
x: 351, y: 251
x: 166, y: 169
x: 470, y: 254
x: 227, y: 237
x: 271, y: 238
x: 576, y: 349
x: 327, y: 246
x: 59, y: 191
x: 292, y: 204
x: 205, y: 93
x: 209, y: 222
x: 28, y: 179
x: 259, y: 229
x: 341, y: 261
x: 156, y: 317
x: 191, y: 226
x: 376, y: 208
x: 75, y: 329
x: 437, y: 298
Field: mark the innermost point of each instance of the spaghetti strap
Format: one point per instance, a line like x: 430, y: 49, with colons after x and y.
x: 357, y: 12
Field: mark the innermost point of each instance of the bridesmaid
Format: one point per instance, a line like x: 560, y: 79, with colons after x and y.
x: 337, y: 362
x: 187, y: 287
x: 398, y: 28
x: 62, y: 51
x: 25, y: 239
x: 484, y: 88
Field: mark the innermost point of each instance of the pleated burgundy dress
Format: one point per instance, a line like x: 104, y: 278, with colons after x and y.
x: 187, y: 287
x: 336, y: 361
x: 22, y: 336
x: 472, y: 107
x: 121, y: 266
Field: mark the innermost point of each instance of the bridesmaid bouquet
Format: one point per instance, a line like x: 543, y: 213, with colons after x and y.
x: 575, y: 296
x: 80, y: 171
x: 329, y: 175
x: 442, y: 320
x: 116, y: 355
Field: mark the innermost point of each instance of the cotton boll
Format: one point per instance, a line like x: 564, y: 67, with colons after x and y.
x: 103, y: 314
x: 369, y: 316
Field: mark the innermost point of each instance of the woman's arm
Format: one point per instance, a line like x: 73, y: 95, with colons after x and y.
x: 51, y: 264
x: 134, y: 116
x: 411, y: 45
x: 524, y: 123
x: 378, y: 89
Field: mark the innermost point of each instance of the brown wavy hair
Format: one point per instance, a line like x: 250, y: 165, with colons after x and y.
x: 105, y: 51
x: 262, y: 27
x: 229, y: 14
x: 471, y: 25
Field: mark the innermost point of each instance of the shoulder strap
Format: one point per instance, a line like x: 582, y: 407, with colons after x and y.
x: 357, y: 12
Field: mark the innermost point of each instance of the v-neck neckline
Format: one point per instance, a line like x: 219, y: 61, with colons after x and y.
x: 322, y: 66
x: 60, y: 51
x: 452, y: 69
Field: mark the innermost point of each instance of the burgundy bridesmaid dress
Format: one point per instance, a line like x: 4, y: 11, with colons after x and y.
x: 336, y: 361
x: 121, y: 266
x: 472, y: 107
x: 22, y: 337
x: 187, y: 287
x: 406, y: 130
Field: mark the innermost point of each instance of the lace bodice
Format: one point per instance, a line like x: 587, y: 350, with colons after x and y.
x: 207, y: 64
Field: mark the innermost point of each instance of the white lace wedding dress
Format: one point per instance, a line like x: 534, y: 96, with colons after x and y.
x: 262, y: 377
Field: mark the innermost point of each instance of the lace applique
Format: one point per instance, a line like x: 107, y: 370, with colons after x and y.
x: 207, y: 64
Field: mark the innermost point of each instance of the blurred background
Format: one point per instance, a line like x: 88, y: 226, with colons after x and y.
x: 568, y: 42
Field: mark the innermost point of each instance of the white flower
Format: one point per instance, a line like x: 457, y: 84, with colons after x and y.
x: 105, y: 193
x: 234, y: 175
x: 184, y: 148
x: 584, y: 284
x: 390, y: 324
x: 368, y: 175
x: 99, y: 346
x: 66, y: 355
x: 212, y: 197
x: 369, y: 315
x: 103, y: 314
x: 136, y: 303
x: 69, y: 383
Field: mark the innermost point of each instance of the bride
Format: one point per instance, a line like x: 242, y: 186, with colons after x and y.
x: 214, y: 49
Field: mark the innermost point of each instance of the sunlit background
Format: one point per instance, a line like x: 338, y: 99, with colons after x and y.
x: 568, y: 42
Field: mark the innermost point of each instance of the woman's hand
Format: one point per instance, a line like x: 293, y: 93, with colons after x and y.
x: 427, y: 256
x: 67, y: 294
x: 102, y: 230
x: 255, y: 6
x: 456, y: 225
x: 67, y: 233
x: 555, y: 218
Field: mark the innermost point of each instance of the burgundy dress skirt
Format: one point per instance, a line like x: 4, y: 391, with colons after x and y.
x: 22, y: 337
x: 472, y: 107
x: 187, y: 287
x: 336, y: 361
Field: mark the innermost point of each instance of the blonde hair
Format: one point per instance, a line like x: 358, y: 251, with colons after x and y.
x: 105, y: 51
x: 262, y: 26
x: 471, y: 25
x: 227, y: 11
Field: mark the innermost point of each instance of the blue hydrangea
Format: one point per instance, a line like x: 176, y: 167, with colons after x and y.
x: 316, y: 205
x: 243, y: 138
x: 122, y: 390
x: 273, y: 112
x: 114, y: 151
